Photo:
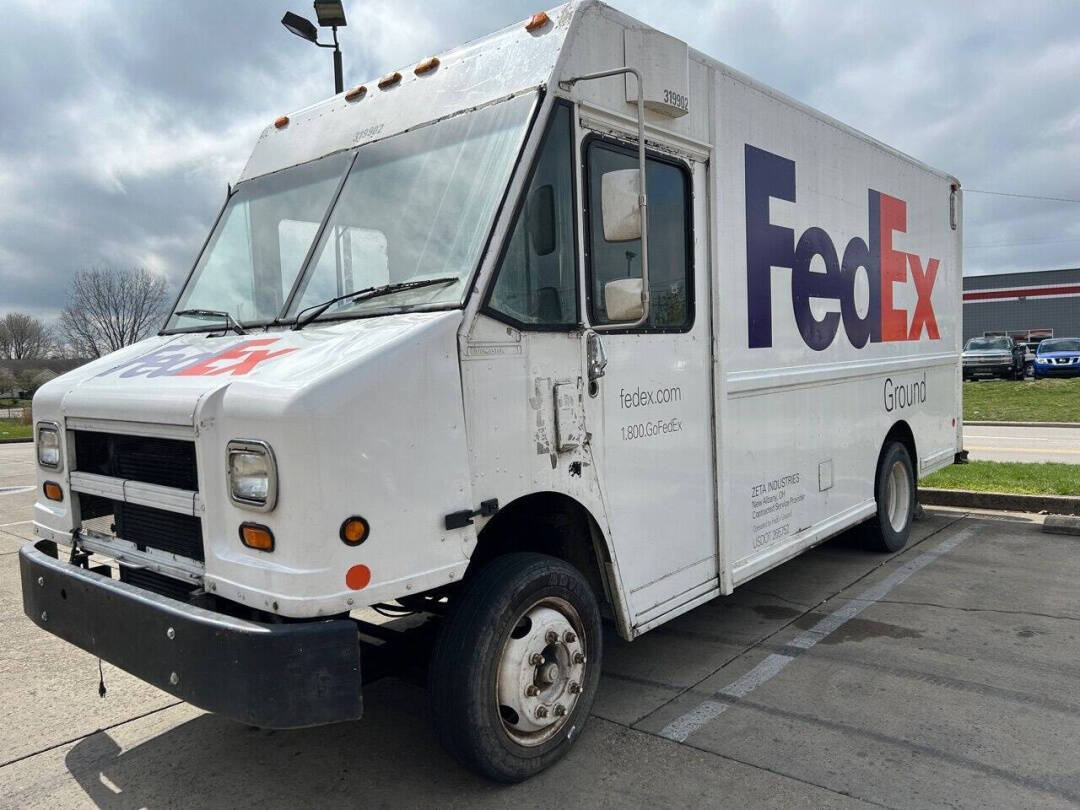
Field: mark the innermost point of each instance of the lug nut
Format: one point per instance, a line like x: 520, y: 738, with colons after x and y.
x: 569, y: 637
x: 579, y: 658
x: 560, y: 710
x: 575, y: 688
x: 551, y: 637
x: 541, y: 711
x: 532, y: 690
x: 536, y: 659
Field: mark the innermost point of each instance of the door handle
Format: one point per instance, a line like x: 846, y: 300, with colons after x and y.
x: 596, y: 360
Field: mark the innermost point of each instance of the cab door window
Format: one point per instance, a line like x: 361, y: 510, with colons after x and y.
x: 536, y: 281
x: 671, y: 287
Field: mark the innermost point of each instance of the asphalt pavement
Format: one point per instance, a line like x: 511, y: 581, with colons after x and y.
x: 941, y: 676
x: 1007, y: 443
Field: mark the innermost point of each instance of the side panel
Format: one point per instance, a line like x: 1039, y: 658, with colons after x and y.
x: 839, y: 282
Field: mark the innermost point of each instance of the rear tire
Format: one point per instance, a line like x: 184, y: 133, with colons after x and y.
x: 894, y: 491
x: 516, y: 666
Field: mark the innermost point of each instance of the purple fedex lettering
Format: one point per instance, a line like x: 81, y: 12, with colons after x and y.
x: 770, y: 176
x: 179, y: 361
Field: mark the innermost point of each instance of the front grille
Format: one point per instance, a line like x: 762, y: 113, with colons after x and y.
x: 150, y: 460
x: 167, y: 462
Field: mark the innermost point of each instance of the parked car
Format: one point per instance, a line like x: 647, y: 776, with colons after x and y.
x: 1058, y: 357
x: 993, y: 357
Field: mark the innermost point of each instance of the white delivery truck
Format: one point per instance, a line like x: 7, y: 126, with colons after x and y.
x: 430, y: 359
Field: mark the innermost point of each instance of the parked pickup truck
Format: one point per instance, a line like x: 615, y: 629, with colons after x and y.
x: 993, y: 357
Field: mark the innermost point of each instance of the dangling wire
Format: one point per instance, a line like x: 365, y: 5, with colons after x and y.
x: 101, y: 679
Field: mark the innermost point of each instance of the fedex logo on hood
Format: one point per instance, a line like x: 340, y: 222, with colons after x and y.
x: 767, y: 245
x: 179, y: 360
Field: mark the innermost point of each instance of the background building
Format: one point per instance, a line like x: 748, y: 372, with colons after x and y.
x: 1045, y: 304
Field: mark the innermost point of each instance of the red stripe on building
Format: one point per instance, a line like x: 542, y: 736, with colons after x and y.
x: 1022, y: 292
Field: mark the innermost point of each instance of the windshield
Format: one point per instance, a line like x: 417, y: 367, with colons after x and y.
x: 979, y: 344
x: 415, y: 206
x: 1060, y: 345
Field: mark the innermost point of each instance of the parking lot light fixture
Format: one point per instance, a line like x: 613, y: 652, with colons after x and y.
x: 331, y: 15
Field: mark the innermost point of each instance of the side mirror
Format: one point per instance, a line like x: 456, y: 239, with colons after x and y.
x: 622, y: 299
x: 619, y: 191
x: 540, y: 219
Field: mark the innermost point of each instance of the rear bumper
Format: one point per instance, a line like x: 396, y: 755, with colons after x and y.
x: 266, y: 675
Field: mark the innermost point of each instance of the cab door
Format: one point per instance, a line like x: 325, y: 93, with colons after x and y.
x: 650, y: 413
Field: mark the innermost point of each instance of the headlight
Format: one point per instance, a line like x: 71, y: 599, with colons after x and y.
x: 48, y: 445
x: 252, y: 474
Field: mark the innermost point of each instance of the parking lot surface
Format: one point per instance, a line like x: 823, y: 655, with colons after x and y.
x: 942, y: 676
x: 1008, y: 443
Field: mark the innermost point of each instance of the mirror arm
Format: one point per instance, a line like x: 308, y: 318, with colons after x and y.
x: 642, y: 195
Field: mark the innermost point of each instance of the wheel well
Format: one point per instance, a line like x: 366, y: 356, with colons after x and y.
x: 547, y: 523
x: 900, y: 432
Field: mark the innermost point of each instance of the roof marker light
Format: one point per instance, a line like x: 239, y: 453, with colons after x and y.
x: 389, y: 80
x: 537, y: 20
x: 282, y: 122
x: 356, y: 93
x: 426, y: 66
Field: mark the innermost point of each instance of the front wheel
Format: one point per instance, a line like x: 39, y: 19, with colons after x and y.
x: 516, y: 666
x: 894, y: 490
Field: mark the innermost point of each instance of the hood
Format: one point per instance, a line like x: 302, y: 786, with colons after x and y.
x: 162, y: 379
x: 986, y: 353
x: 1044, y: 355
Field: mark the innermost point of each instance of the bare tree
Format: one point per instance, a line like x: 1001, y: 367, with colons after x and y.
x: 7, y: 382
x: 23, y: 337
x: 109, y: 309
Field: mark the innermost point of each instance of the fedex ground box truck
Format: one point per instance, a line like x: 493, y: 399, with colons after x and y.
x: 570, y: 324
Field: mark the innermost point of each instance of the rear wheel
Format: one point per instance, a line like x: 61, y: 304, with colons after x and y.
x: 894, y: 491
x: 516, y: 666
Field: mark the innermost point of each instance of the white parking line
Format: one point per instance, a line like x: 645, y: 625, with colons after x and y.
x: 15, y: 490
x: 682, y: 727
x: 16, y: 523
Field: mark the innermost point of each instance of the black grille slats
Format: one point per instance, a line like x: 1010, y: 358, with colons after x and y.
x: 166, y: 462
x: 155, y: 528
x: 150, y: 460
x: 158, y: 583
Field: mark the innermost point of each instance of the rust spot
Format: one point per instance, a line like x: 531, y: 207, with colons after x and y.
x: 575, y: 469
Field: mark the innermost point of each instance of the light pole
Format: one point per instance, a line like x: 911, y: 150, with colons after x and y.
x: 331, y: 15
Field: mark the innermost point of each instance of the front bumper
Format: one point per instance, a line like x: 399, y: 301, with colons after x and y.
x: 972, y: 369
x: 266, y: 675
x: 1070, y: 370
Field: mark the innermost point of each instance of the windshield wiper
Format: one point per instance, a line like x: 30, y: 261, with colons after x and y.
x: 230, y: 323
x: 356, y: 296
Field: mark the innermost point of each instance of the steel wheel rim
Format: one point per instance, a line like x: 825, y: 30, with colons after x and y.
x: 535, y: 699
x: 897, y: 496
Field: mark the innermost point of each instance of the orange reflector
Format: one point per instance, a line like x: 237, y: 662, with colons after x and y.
x: 257, y: 537
x: 358, y: 577
x: 354, y: 531
x: 356, y: 93
x: 52, y: 491
x: 426, y: 66
x: 390, y: 80
x: 281, y: 121
x: 537, y: 20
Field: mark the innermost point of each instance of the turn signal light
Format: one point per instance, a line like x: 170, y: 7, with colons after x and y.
x: 52, y: 491
x: 354, y: 531
x: 426, y: 66
x: 356, y: 93
x: 390, y: 80
x: 536, y: 21
x: 257, y: 537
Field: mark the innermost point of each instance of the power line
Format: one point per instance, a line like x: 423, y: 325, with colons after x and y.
x: 1022, y: 196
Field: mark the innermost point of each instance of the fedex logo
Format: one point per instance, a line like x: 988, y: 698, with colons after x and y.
x: 768, y: 245
x: 180, y: 361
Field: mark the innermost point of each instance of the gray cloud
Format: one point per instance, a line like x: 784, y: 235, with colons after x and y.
x: 123, y: 121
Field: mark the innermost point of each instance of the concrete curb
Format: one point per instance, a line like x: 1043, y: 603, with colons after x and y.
x: 1003, y: 501
x: 1061, y: 524
x: 1023, y: 424
x: 15, y: 441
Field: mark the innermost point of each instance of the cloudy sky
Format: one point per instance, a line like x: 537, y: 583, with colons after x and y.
x: 123, y: 120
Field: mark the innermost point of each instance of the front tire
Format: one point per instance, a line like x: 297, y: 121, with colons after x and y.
x: 516, y: 666
x: 894, y: 490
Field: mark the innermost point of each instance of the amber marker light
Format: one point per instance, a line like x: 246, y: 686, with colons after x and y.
x: 426, y: 66
x: 537, y: 20
x: 282, y: 122
x: 256, y: 536
x: 52, y: 491
x: 354, y: 531
x: 389, y: 80
x: 356, y: 93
